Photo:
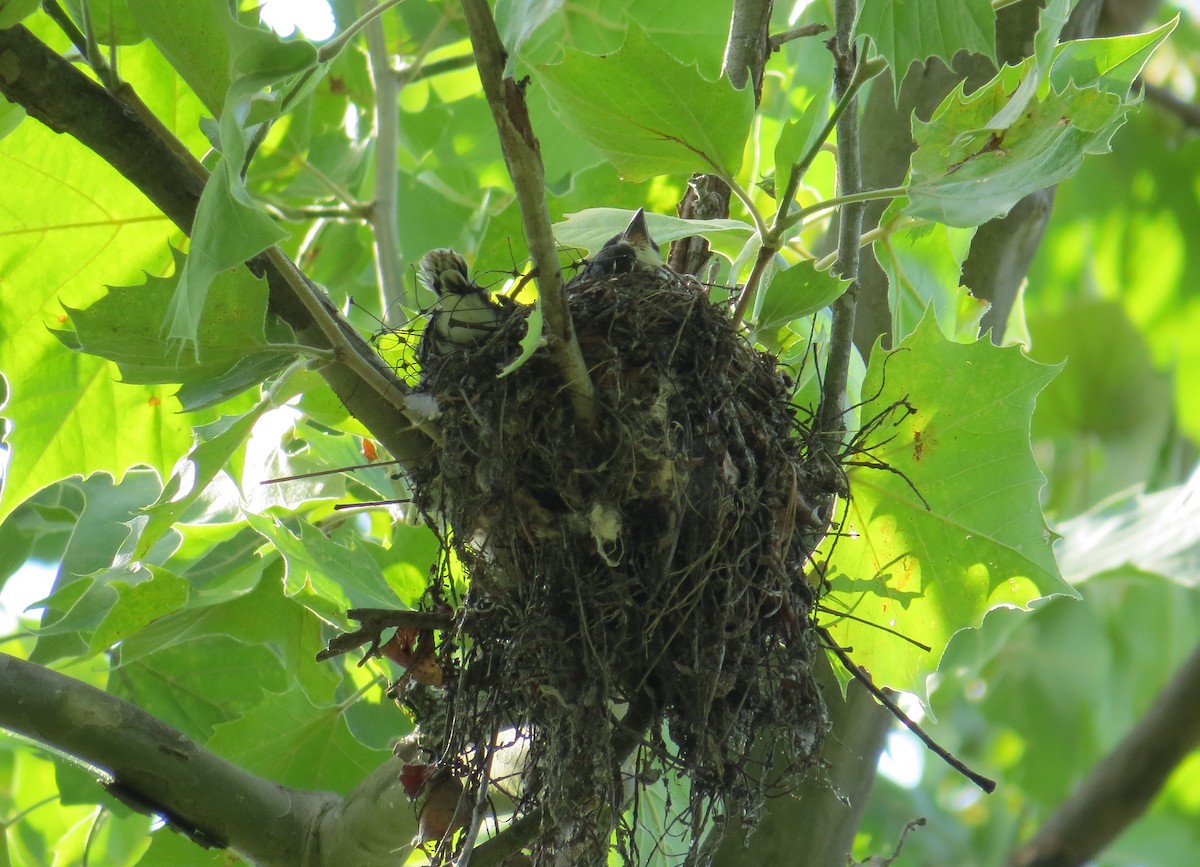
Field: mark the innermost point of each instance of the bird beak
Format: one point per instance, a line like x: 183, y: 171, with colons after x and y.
x: 637, y: 235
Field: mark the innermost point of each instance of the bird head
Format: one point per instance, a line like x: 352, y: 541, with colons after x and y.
x: 444, y: 272
x: 631, y: 251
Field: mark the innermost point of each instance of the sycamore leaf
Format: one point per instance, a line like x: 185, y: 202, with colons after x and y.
x: 330, y: 577
x: 126, y: 326
x: 982, y: 543
x: 191, y: 37
x: 974, y: 161
x: 517, y: 20
x: 794, y: 293
x: 62, y: 239
x: 294, y: 742
x: 12, y: 11
x: 112, y: 22
x: 913, y: 31
x: 648, y: 113
x: 215, y: 445
x: 923, y: 264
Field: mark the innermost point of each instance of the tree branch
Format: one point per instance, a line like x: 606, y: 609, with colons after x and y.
x: 747, y: 48
x: 1122, y: 785
x: 64, y: 99
x: 522, y: 155
x: 386, y: 201
x: 154, y: 768
x: 849, y: 170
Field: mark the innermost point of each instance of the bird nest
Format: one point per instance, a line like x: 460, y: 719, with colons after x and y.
x: 640, y: 602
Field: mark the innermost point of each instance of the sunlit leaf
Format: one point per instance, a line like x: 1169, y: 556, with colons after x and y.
x: 910, y: 32
x: 953, y: 527
x: 648, y: 113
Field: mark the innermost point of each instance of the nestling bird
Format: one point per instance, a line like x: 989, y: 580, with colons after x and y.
x: 464, y: 315
x: 632, y: 251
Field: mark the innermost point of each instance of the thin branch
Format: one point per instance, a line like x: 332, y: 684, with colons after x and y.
x: 522, y: 155
x: 374, y: 621
x: 783, y: 221
x: 155, y: 768
x: 384, y: 208
x: 411, y: 72
x: 774, y: 43
x: 1122, y: 785
x: 841, y: 341
x: 331, y: 49
x: 988, y: 785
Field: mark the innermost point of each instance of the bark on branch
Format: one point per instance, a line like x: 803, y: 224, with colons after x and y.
x: 156, y: 769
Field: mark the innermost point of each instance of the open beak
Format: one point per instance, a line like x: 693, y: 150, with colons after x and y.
x: 637, y: 236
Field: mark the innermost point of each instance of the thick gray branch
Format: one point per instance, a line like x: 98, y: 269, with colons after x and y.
x: 1122, y: 785
x: 747, y: 48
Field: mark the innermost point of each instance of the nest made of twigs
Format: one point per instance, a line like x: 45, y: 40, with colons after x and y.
x: 639, y: 602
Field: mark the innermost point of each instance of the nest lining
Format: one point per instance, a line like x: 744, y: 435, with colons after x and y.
x: 642, y: 582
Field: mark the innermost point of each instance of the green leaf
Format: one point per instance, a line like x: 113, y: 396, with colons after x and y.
x: 517, y: 20
x: 13, y: 11
x: 139, y: 603
x: 200, y: 684
x: 294, y: 742
x: 923, y: 264
x: 112, y: 22
x: 230, y: 226
x: 217, y: 443
x: 794, y: 293
x: 330, y: 577
x: 799, y: 136
x: 232, y: 350
x: 911, y: 32
x: 964, y: 174
x: 968, y: 168
x: 649, y: 114
x: 1111, y: 64
x: 981, y: 543
x: 193, y: 39
x: 61, y: 402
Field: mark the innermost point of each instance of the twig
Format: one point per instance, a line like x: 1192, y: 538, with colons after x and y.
x: 830, y: 421
x: 988, y: 785
x: 411, y: 72
x: 374, y: 621
x: 506, y: 98
x: 784, y: 220
x: 386, y: 232
x: 774, y: 43
x: 1122, y: 785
